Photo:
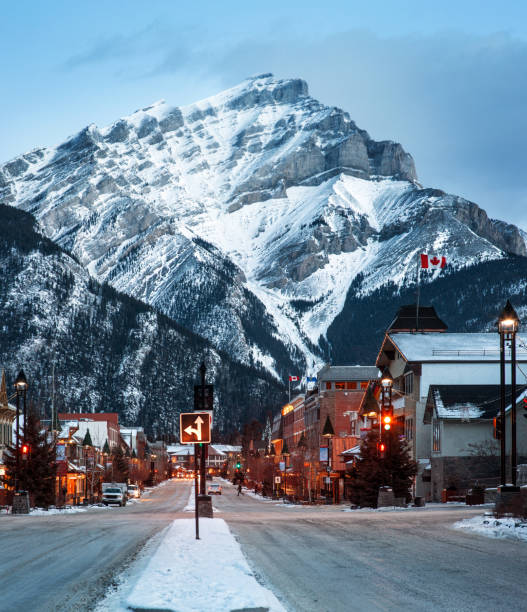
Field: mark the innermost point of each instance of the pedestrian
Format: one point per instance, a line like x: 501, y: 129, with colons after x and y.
x: 239, y: 488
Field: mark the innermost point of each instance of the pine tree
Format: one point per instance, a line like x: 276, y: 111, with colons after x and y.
x: 396, y: 469
x: 37, y: 471
x: 120, y: 465
x: 87, y: 439
x: 368, y: 474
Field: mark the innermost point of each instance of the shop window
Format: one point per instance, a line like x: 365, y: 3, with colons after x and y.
x: 364, y: 384
x: 328, y: 385
x: 340, y: 385
x: 351, y: 385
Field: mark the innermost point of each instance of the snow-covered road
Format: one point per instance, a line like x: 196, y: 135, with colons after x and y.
x: 314, y: 559
x: 67, y: 562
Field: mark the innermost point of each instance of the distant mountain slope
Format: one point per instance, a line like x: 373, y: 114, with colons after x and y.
x: 111, y: 351
x: 467, y: 300
x: 248, y: 217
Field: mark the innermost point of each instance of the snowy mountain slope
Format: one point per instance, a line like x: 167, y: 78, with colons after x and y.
x: 108, y: 348
x: 247, y: 216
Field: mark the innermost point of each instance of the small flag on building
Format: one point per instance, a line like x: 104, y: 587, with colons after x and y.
x: 432, y: 262
x: 311, y: 379
x: 294, y: 378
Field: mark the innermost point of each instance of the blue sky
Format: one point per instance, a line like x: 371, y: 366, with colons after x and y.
x: 446, y: 79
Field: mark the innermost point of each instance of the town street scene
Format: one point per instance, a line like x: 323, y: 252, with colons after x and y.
x: 263, y: 307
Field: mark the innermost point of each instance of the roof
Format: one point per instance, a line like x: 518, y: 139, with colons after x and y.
x: 355, y: 451
x: 337, y: 373
x: 468, y: 402
x: 453, y: 347
x: 407, y: 319
x: 111, y: 417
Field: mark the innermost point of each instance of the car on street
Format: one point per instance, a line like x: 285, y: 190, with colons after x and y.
x: 134, y: 491
x: 114, y: 493
x: 214, y: 488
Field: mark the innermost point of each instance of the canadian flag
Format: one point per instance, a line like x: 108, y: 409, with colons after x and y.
x: 294, y: 378
x: 435, y: 261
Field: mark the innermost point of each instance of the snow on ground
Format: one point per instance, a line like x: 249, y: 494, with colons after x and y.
x: 192, y: 575
x: 67, y: 510
x: 491, y: 527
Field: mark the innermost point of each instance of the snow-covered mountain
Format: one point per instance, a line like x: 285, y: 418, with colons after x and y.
x: 247, y: 216
x: 108, y: 349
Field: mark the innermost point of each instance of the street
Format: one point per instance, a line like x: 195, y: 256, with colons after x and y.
x: 314, y: 558
x: 66, y: 562
x: 324, y: 559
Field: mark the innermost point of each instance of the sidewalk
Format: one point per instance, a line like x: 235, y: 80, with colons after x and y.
x: 183, y: 573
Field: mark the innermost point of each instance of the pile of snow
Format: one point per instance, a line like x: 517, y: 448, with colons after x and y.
x: 67, y: 509
x: 491, y: 527
x: 195, y: 575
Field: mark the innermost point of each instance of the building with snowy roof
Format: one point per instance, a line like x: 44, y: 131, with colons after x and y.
x: 416, y: 360
x: 464, y: 447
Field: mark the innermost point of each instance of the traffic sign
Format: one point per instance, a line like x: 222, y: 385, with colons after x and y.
x: 277, y: 479
x: 194, y: 427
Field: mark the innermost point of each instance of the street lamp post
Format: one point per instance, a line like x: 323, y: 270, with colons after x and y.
x: 285, y: 454
x: 328, y: 432
x: 386, y: 386
x: 21, y: 388
x: 508, y: 323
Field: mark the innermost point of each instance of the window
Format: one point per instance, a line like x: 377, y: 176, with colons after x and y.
x: 351, y: 385
x: 364, y: 384
x: 353, y: 428
x: 340, y: 385
x: 436, y: 436
x: 409, y: 383
x: 328, y: 385
x: 409, y: 429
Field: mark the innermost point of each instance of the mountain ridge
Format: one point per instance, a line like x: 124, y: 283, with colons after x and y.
x: 227, y: 213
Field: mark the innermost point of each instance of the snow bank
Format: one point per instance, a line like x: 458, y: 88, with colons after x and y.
x: 67, y: 510
x: 491, y: 527
x: 196, y: 575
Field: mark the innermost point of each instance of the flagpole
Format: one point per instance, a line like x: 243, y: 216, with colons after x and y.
x: 418, y: 291
x: 290, y: 389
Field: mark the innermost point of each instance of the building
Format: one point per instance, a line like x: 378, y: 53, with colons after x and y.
x: 103, y: 426
x: 7, y: 418
x: 299, y: 428
x: 433, y: 356
x: 464, y: 446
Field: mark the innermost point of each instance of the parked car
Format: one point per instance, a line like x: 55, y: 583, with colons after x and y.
x: 114, y: 493
x: 214, y: 488
x: 133, y: 491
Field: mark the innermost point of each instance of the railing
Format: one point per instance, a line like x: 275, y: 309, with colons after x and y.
x: 475, y: 352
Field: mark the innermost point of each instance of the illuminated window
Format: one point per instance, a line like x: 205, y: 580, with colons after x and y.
x: 340, y: 385
x: 328, y: 385
x: 353, y: 428
x: 351, y: 385
x: 364, y: 384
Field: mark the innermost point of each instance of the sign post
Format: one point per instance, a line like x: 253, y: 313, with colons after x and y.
x: 196, y: 515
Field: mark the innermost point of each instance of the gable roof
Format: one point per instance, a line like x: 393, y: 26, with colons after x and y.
x: 468, y: 402
x: 409, y: 318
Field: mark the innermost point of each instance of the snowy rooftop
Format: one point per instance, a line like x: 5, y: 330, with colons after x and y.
x: 468, y: 402
x: 439, y: 346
